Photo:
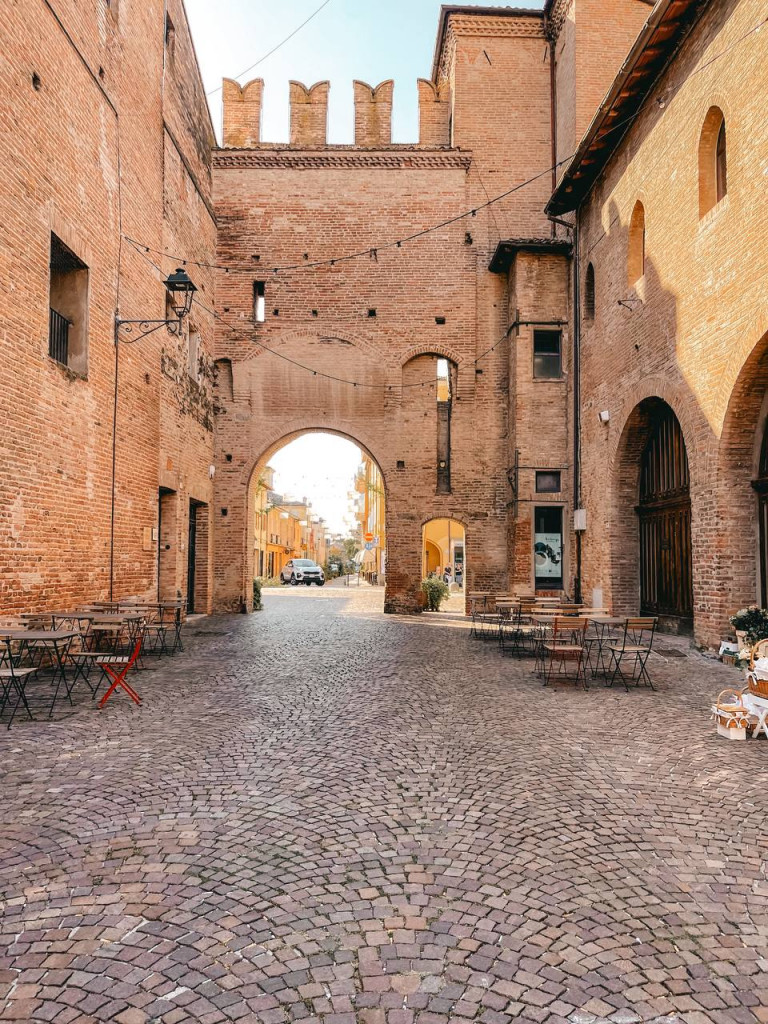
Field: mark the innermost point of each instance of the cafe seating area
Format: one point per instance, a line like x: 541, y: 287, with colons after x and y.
x: 47, y: 656
x: 565, y: 641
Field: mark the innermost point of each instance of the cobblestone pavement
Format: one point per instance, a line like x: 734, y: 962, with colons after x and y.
x: 323, y: 814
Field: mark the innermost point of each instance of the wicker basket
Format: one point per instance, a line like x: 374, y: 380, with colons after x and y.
x: 731, y: 716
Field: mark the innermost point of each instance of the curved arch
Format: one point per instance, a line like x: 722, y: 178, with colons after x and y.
x: 440, y: 351
x: 713, y: 161
x: 636, y: 245
x: 285, y: 434
x: 650, y: 526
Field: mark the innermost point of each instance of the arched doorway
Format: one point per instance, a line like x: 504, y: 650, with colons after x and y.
x: 664, y: 518
x: 444, y: 547
x: 300, y: 523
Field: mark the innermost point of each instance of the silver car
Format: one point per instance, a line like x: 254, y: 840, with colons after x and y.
x: 302, y: 570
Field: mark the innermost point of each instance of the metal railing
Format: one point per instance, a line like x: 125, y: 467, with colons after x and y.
x: 58, y: 337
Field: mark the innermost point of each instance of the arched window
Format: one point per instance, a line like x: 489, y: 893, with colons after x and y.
x: 713, y: 161
x: 589, y: 293
x: 636, y: 253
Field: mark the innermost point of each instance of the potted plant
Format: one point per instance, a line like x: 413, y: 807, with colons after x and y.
x: 435, y: 591
x: 751, y: 625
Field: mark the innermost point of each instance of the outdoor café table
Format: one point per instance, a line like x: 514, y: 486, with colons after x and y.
x: 59, y: 640
x: 603, y: 626
x: 175, y: 607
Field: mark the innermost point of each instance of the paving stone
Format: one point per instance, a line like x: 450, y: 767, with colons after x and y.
x: 324, y: 815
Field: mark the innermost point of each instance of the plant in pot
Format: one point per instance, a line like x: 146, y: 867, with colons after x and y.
x: 751, y: 625
x: 435, y: 591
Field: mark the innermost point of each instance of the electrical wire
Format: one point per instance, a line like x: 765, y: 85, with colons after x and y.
x: 321, y: 373
x: 373, y: 251
x: 275, y: 48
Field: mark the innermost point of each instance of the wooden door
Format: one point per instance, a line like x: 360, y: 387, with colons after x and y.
x: 664, y: 512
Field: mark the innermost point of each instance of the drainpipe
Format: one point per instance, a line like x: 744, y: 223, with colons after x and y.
x: 573, y: 228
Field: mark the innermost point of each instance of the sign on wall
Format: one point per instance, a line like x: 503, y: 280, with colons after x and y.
x: 548, y: 555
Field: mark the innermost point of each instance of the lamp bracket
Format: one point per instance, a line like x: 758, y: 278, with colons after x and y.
x: 134, y: 330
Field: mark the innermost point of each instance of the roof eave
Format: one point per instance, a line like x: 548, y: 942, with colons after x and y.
x: 567, y: 196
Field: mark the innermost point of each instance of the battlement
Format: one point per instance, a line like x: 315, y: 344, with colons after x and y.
x: 309, y: 114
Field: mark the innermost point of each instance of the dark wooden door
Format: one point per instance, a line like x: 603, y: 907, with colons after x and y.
x: 761, y: 486
x: 191, y: 556
x: 664, y: 512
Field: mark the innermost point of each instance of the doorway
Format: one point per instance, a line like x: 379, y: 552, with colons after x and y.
x: 548, y: 547
x: 443, y: 551
x: 664, y: 518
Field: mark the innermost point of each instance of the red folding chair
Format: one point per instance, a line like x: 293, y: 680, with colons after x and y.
x: 116, y: 668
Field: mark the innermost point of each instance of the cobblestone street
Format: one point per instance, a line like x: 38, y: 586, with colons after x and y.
x: 324, y: 814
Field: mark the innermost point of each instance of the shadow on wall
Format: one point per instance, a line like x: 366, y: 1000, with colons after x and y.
x: 631, y: 366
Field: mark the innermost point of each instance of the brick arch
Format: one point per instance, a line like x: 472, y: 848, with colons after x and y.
x: 432, y: 350
x: 744, y: 425
x: 279, y: 438
x: 286, y: 433
x: 635, y: 425
x: 292, y: 336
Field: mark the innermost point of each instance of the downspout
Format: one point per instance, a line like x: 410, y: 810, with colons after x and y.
x: 553, y: 112
x: 576, y: 340
x: 577, y: 398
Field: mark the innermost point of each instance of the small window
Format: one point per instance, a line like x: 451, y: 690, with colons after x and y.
x: 68, y: 303
x: 259, y: 309
x: 589, y: 293
x: 636, y: 253
x: 713, y: 161
x: 547, y: 355
x: 443, y: 380
x: 548, y: 482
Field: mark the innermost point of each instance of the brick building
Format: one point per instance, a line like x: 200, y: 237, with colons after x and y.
x: 95, y: 153
x: 488, y: 295
x: 592, y: 342
x: 673, y: 270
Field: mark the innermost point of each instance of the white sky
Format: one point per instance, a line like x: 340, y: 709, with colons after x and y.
x: 320, y: 467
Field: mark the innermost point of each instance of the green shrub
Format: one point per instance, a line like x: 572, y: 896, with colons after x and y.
x: 436, y: 591
x: 257, y: 605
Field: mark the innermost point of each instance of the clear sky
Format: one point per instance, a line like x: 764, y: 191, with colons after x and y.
x: 320, y: 467
x: 348, y: 39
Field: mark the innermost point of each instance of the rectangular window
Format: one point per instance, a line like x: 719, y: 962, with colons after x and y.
x: 548, y: 547
x: 258, y: 302
x: 547, y: 355
x: 68, y: 316
x: 548, y: 482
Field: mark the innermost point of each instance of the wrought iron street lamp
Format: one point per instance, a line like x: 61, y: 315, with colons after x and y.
x: 181, y: 291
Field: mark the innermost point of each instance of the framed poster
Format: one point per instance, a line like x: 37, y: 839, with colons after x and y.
x: 548, y: 547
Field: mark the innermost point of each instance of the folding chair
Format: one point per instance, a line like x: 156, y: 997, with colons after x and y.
x: 566, y: 644
x: 636, y: 644
x: 14, y: 677
x: 116, y: 667
x: 519, y: 635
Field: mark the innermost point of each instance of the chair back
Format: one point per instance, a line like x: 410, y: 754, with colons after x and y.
x: 640, y: 631
x: 570, y: 628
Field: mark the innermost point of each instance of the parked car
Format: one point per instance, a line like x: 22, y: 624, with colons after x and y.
x: 302, y: 570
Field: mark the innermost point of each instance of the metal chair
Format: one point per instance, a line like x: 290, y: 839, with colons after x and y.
x: 14, y: 677
x: 636, y: 644
x: 565, y: 644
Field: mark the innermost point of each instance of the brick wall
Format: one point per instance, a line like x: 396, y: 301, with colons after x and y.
x: 695, y: 334
x: 91, y: 154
